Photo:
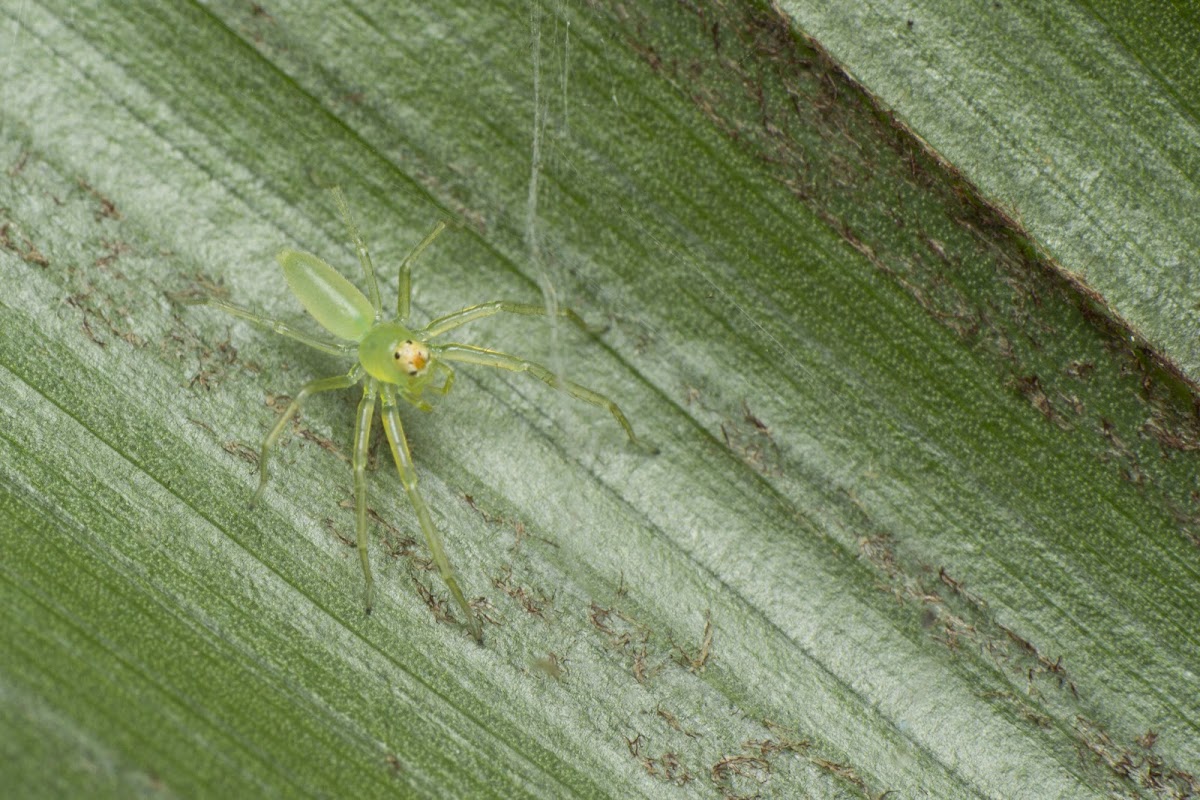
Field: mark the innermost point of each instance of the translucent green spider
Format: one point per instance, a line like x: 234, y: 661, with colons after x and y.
x: 394, y: 360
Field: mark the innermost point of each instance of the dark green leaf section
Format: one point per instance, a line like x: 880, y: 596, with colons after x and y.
x: 922, y: 520
x: 1081, y: 117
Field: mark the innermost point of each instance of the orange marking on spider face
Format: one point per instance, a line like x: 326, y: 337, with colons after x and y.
x: 419, y: 360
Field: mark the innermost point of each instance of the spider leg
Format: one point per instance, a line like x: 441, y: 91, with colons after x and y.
x: 315, y: 342
x: 444, y: 389
x: 404, y: 296
x: 360, y: 248
x: 469, y: 354
x: 414, y: 397
x: 471, y: 313
x: 362, y: 441
x: 408, y: 477
x: 309, y: 389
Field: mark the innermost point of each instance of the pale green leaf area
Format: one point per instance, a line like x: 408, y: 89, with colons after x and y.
x: 1082, y: 118
x: 922, y: 520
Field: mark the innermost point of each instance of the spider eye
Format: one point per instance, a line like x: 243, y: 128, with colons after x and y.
x: 410, y: 357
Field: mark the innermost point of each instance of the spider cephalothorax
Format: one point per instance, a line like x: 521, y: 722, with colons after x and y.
x: 394, y: 361
x: 391, y: 353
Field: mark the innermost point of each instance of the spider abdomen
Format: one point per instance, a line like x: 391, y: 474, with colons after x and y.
x: 333, y: 301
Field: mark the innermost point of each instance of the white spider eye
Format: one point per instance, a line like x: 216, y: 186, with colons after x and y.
x: 411, y: 357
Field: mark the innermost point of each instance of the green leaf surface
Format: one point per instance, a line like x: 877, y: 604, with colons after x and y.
x: 922, y: 520
x: 1081, y: 119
